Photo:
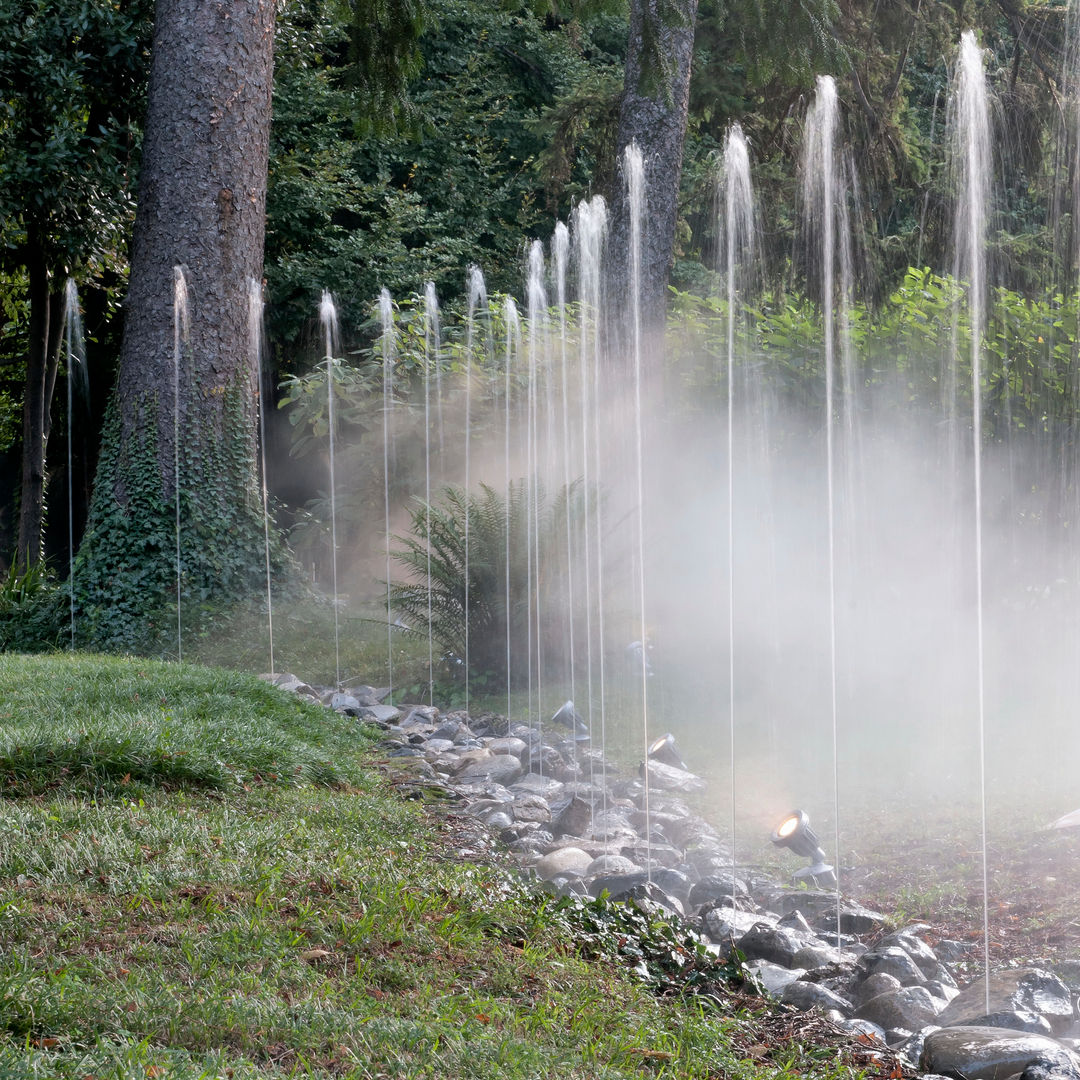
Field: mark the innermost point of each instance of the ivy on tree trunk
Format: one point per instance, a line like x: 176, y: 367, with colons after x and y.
x: 201, y: 206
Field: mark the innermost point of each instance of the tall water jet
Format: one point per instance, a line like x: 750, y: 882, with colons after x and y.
x: 255, y: 345
x: 738, y: 232
x: 511, y: 354
x: 180, y: 337
x: 329, y: 322
x: 76, y: 381
x: 560, y: 255
x: 477, y: 300
x: 823, y: 196
x: 537, y: 309
x: 387, y: 348
x: 431, y: 358
x: 590, y: 231
x: 634, y: 170
x: 972, y: 161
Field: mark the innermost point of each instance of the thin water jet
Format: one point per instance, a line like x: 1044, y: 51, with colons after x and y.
x: 329, y: 322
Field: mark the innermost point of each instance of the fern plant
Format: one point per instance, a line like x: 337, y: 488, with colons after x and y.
x: 517, y: 551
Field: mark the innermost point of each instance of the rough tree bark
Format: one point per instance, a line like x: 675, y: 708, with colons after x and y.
x: 201, y: 205
x: 656, y: 99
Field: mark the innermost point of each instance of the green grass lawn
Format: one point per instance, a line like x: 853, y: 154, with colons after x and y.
x: 201, y: 876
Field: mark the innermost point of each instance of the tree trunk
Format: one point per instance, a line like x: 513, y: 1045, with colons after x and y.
x: 201, y: 206
x: 653, y: 114
x: 44, y: 332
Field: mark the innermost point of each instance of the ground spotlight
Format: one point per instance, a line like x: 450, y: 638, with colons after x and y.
x: 664, y: 750
x: 794, y: 832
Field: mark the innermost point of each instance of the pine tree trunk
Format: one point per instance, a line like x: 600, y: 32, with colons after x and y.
x: 201, y: 206
x: 653, y: 114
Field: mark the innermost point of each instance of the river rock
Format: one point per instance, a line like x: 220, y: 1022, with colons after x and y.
x: 571, y: 816
x: 532, y: 808
x: 508, y: 745
x: 617, y: 884
x: 910, y: 1007
x: 567, y: 860
x: 671, y: 778
x: 610, y: 864
x: 285, y: 680
x: 892, y: 960
x: 1021, y: 999
x: 381, y: 714
x: 773, y: 943
x: 714, y: 887
x: 501, y: 768
x: 994, y: 1053
x: 808, y: 995
x: 722, y: 924
x: 535, y: 784
x: 880, y: 982
x: 774, y: 978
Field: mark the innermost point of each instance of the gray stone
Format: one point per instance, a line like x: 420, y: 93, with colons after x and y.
x: 879, y: 983
x: 610, y: 864
x: 892, y: 960
x: 724, y: 923
x: 670, y: 778
x: 345, y: 704
x: 497, y: 819
x: 562, y: 861
x: 617, y: 884
x: 808, y: 995
x: 501, y: 768
x: 290, y: 683
x: 949, y: 951
x: 535, y: 784
x: 940, y: 990
x: 910, y: 1007
x: 383, y: 714
x: 819, y: 908
x: 772, y: 943
x: 532, y: 808
x: 862, y: 1027
x: 570, y: 816
x: 1021, y: 999
x: 650, y: 898
x: 994, y: 1053
x: 367, y: 695
x: 673, y: 881
x: 812, y: 957
x: 508, y: 745
x: 713, y: 887
x: 773, y: 978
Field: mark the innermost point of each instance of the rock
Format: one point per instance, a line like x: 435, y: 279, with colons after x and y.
x: 650, y: 898
x: 773, y: 978
x: 724, y: 923
x: 713, y: 887
x: 819, y: 908
x: 862, y: 1027
x: 562, y: 861
x: 532, y: 808
x: 670, y: 778
x: 501, y: 768
x: 674, y: 882
x: 1021, y: 999
x: 610, y: 864
x: 910, y: 1007
x: 535, y: 784
x: 994, y: 1053
x: 808, y: 995
x: 508, y: 745
x: 949, y: 951
x: 289, y: 682
x: 773, y: 943
x: 382, y: 714
x: 813, y: 957
x: 879, y: 983
x: 940, y: 990
x: 892, y: 960
x: 367, y: 695
x: 617, y: 884
x: 570, y: 816
x: 345, y: 704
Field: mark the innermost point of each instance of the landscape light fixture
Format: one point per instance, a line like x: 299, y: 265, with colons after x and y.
x: 665, y: 751
x: 794, y: 832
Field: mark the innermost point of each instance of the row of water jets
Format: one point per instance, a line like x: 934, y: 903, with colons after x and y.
x: 564, y: 410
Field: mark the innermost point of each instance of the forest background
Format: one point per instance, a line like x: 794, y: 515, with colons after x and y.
x: 481, y: 127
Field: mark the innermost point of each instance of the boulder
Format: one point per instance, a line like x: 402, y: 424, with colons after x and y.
x: 713, y: 887
x: 570, y: 816
x: 910, y: 1007
x: 508, y: 745
x: 808, y: 995
x: 671, y: 778
x: 773, y: 978
x: 567, y: 860
x: 500, y: 768
x: 381, y: 714
x: 773, y: 943
x: 892, y: 960
x: 1021, y: 999
x: 724, y: 923
x: 610, y: 864
x: 994, y: 1053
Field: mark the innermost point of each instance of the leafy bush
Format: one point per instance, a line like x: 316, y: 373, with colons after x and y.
x: 31, y: 610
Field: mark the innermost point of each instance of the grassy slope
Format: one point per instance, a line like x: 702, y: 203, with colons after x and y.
x: 202, y: 877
